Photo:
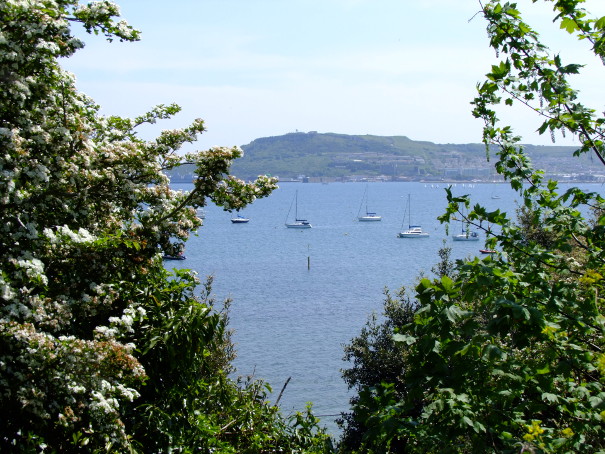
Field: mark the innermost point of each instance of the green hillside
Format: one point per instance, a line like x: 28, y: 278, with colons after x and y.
x: 339, y: 156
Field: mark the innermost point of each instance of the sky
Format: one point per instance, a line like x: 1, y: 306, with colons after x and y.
x: 259, y: 68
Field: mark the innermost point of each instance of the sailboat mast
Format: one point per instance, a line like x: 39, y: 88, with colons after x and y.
x: 289, y: 211
x: 409, y: 212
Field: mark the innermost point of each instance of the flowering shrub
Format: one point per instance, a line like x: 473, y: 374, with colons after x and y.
x: 100, y: 345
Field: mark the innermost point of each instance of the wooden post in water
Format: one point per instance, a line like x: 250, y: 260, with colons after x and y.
x: 308, y: 257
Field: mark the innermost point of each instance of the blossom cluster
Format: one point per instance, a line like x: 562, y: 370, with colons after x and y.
x: 87, y: 212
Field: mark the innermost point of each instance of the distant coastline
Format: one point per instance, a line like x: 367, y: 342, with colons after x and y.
x: 326, y: 158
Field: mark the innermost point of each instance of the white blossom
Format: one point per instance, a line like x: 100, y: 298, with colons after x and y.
x: 33, y: 267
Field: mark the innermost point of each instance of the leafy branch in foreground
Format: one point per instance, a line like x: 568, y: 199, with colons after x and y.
x: 508, y: 355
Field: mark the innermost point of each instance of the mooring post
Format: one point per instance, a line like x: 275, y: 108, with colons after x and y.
x: 308, y: 257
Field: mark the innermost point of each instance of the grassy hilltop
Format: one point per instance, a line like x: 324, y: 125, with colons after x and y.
x: 340, y: 156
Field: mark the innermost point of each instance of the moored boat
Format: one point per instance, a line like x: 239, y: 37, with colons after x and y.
x: 239, y: 219
x: 413, y: 231
x: 369, y: 216
x: 174, y: 257
x: 466, y: 236
x: 298, y: 222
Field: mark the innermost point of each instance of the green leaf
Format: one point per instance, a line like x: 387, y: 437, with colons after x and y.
x: 468, y: 421
x: 452, y: 313
x: 595, y: 401
x: 500, y: 71
x: 478, y: 427
x: 493, y: 353
x: 520, y: 312
x: 464, y: 350
x: 569, y: 25
x: 447, y: 283
x: 409, y: 340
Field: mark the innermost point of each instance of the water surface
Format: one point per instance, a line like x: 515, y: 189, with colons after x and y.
x: 299, y: 295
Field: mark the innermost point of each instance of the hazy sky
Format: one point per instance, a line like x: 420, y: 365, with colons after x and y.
x: 257, y: 68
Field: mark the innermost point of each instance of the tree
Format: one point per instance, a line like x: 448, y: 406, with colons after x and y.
x: 101, y: 349
x: 507, y: 355
x: 375, y: 358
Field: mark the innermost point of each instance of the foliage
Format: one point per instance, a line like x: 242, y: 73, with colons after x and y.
x: 102, y: 349
x: 507, y: 355
x: 375, y: 358
x: 534, y: 228
x: 445, y: 266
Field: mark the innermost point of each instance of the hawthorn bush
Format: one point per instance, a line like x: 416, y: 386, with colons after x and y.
x: 102, y: 349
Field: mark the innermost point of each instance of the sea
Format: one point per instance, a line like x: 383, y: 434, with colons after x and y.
x: 298, y: 296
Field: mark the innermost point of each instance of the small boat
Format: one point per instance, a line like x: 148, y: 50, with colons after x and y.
x: 239, y: 219
x: 200, y: 213
x: 369, y: 216
x: 413, y: 231
x: 298, y: 223
x: 174, y: 257
x: 487, y: 251
x: 466, y: 236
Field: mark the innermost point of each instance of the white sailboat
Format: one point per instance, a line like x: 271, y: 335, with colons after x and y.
x: 369, y: 216
x: 413, y: 231
x: 239, y: 219
x: 466, y: 235
x: 298, y: 223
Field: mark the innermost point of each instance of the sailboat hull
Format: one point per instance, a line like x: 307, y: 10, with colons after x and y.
x: 412, y: 233
x: 465, y: 237
x: 299, y: 225
x: 369, y: 218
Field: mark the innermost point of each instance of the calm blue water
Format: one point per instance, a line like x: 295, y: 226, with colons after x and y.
x: 291, y: 321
